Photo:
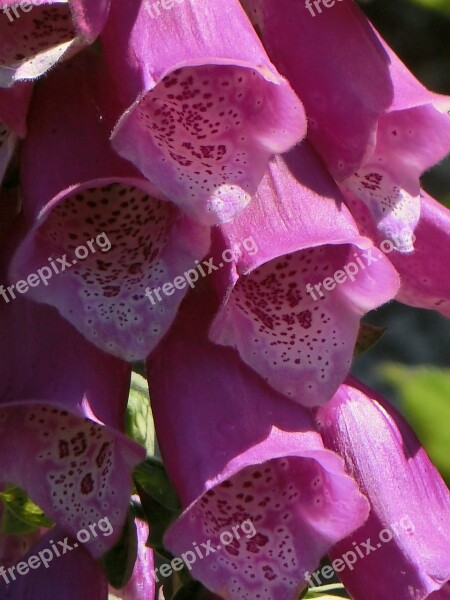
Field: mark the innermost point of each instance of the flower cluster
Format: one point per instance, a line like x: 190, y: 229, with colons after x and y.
x: 176, y: 130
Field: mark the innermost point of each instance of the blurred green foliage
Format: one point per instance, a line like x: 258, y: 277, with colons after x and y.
x: 425, y: 401
x: 440, y: 5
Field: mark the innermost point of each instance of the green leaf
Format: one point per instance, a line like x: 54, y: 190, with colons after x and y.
x: 160, y: 519
x: 139, y: 419
x: 323, y: 592
x: 119, y: 561
x: 21, y: 515
x: 368, y: 335
x: 152, y: 477
x: 425, y: 394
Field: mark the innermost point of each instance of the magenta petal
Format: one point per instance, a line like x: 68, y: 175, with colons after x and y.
x: 141, y: 586
x: 76, y: 470
x: 139, y: 240
x: 70, y: 576
x: 407, y: 495
x: 32, y: 41
x: 205, y: 109
x: 367, y: 113
x: 74, y: 374
x: 250, y: 456
x: 424, y: 282
x: 298, y: 337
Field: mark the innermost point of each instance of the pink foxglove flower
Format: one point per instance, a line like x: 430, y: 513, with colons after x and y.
x: 374, y: 124
x: 204, y: 109
x: 292, y: 309
x: 138, y: 239
x: 263, y: 500
x: 402, y: 551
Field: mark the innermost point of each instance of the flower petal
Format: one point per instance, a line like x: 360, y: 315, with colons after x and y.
x: 132, y: 238
x: 72, y: 575
x: 409, y: 501
x: 300, y: 338
x: 142, y: 583
x: 74, y: 469
x: 204, y: 107
x: 32, y: 41
x: 253, y: 465
x: 424, y: 282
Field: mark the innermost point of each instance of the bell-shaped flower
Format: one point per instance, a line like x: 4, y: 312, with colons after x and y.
x: 376, y: 127
x: 62, y: 414
x: 424, y: 278
x: 403, y: 549
x: 203, y: 107
x: 99, y: 233
x: 294, y: 298
x: 36, y: 35
x: 263, y: 500
x: 13, y: 112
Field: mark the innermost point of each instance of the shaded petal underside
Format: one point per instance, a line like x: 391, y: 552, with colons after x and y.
x: 38, y: 38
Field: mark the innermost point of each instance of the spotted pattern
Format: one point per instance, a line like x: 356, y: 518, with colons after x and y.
x: 266, y: 561
x: 81, y: 465
x: 34, y: 32
x: 288, y: 327
x: 198, y: 119
x: 111, y: 285
x: 394, y: 209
